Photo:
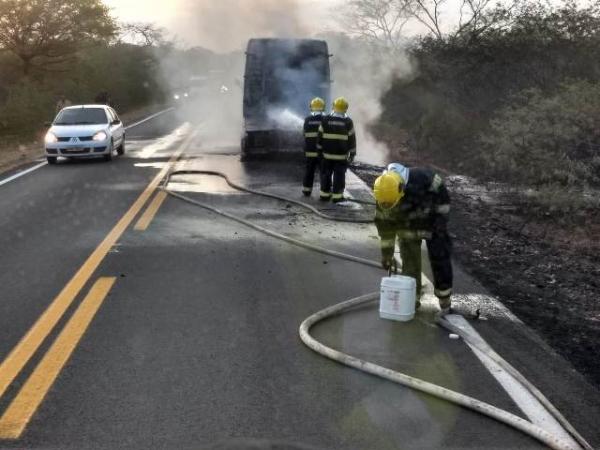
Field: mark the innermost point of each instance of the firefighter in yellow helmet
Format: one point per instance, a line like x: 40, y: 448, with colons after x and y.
x: 311, y: 134
x: 412, y: 205
x: 337, y: 143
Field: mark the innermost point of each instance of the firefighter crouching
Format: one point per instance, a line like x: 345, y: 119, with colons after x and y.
x: 412, y: 205
x: 337, y: 143
x: 311, y: 134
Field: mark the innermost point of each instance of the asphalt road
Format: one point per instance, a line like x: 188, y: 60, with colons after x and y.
x: 184, y: 334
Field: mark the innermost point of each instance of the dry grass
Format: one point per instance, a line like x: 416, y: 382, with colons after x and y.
x: 17, y: 154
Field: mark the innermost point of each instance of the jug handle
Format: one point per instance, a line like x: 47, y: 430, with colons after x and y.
x: 393, y: 268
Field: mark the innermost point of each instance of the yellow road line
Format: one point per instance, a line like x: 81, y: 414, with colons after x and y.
x: 31, y: 395
x: 151, y: 210
x: 28, y: 345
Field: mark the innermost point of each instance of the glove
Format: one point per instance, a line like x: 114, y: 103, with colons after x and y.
x: 422, y: 234
x: 440, y: 225
x: 389, y: 263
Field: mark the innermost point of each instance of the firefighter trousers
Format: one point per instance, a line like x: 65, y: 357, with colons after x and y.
x: 333, y: 179
x: 439, y: 248
x: 309, y: 174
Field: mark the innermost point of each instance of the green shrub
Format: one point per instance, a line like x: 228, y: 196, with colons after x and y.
x: 547, y: 140
x: 28, y: 105
x: 461, y: 82
x: 129, y: 73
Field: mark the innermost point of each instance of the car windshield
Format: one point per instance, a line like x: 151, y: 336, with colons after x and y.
x: 81, y: 116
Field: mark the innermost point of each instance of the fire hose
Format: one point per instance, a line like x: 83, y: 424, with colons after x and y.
x: 465, y: 401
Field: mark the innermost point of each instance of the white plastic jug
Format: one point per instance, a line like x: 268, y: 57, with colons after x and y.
x: 398, y: 298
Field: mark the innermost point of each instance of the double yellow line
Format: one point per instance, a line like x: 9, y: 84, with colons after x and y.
x: 31, y: 395
x: 24, y: 405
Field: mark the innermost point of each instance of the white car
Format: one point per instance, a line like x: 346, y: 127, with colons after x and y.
x: 85, y: 131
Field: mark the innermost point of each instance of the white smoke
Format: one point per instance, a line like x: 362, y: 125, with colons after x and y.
x: 226, y: 25
x: 361, y: 73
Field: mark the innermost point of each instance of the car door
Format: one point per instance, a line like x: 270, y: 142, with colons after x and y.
x: 116, y: 127
x: 120, y: 127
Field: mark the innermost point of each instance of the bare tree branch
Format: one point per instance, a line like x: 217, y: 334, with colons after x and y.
x: 377, y: 21
x: 33, y: 29
x: 142, y: 33
x: 384, y: 21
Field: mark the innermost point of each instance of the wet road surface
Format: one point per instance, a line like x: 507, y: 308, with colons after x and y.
x: 182, y: 331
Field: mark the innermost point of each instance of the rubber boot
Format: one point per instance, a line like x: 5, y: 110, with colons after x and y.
x: 445, y: 307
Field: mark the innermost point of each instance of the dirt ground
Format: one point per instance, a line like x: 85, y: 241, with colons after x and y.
x: 546, y: 270
x: 17, y: 152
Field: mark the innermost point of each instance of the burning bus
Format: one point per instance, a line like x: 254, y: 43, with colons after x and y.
x: 281, y: 77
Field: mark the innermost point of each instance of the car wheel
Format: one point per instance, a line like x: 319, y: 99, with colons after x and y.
x: 108, y: 156
x: 121, y: 149
x: 51, y: 159
x: 244, y: 148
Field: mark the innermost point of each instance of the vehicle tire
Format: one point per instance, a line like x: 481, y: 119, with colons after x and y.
x: 108, y: 157
x: 51, y: 159
x: 121, y: 149
x: 244, y: 148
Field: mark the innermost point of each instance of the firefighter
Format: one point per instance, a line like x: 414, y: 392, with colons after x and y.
x: 63, y: 102
x: 337, y: 144
x: 412, y: 205
x: 311, y: 133
x: 103, y: 98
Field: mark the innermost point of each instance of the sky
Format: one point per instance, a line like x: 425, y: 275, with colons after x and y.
x: 225, y: 25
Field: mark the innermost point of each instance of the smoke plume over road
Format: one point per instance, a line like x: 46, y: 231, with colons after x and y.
x: 226, y: 25
x: 361, y: 73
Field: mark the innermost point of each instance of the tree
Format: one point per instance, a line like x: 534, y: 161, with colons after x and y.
x: 142, y: 33
x: 384, y: 21
x: 50, y: 32
x: 464, y: 81
x: 378, y: 21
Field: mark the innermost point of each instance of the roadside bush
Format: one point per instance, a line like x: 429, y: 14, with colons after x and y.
x: 27, y: 106
x: 129, y: 73
x: 463, y: 82
x: 547, y: 140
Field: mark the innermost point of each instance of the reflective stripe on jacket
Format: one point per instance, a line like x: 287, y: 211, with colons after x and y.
x: 311, y: 134
x: 336, y: 138
x: 423, y: 210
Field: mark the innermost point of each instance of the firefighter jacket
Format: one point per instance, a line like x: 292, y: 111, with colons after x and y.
x: 311, y: 134
x: 336, y: 138
x: 422, y: 212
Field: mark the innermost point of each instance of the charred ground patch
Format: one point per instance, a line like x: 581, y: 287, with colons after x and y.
x: 545, y: 268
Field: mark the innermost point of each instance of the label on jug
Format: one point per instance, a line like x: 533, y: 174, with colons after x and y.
x: 392, y: 298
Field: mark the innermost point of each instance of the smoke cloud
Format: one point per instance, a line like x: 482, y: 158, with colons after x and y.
x: 361, y: 73
x: 226, y: 25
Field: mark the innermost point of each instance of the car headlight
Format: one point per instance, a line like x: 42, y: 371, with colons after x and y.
x: 186, y: 95
x: 50, y: 138
x: 176, y: 96
x: 100, y: 136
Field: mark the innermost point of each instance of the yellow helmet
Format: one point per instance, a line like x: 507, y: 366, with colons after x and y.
x: 340, y: 105
x: 317, y: 104
x: 389, y: 189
